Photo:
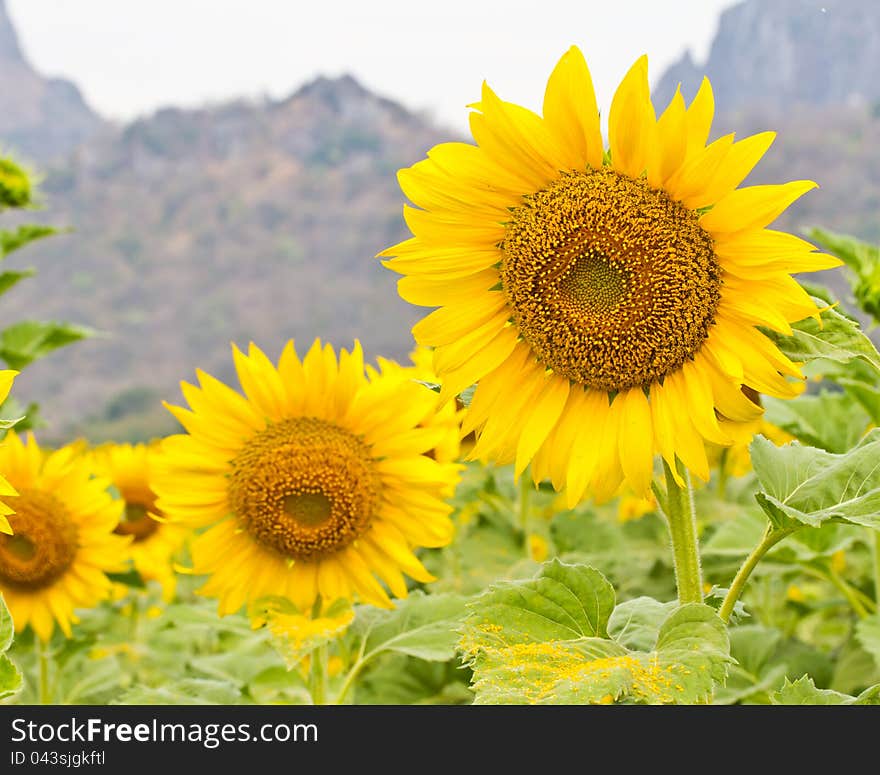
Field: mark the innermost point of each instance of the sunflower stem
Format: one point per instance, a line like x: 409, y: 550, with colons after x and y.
x: 770, y: 538
x: 678, y: 505
x: 318, y: 675
x: 43, y: 657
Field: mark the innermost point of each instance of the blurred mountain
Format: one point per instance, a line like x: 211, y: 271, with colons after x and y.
x: 779, y: 53
x: 194, y: 228
x: 40, y: 118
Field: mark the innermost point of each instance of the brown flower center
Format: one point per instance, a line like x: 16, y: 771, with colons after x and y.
x: 304, y: 487
x: 612, y: 283
x: 44, y: 541
x: 137, y: 521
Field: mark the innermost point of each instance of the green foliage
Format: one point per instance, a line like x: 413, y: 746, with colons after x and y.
x: 804, y: 692
x: 23, y: 343
x: 421, y: 626
x: 547, y: 640
x: 836, y: 338
x: 10, y: 677
x: 830, y: 420
x: 812, y: 486
x: 863, y: 262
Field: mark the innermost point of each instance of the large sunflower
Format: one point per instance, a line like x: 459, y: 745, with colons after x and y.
x: 6, y: 378
x: 63, y: 543
x: 154, y: 540
x: 310, y: 485
x: 605, y: 302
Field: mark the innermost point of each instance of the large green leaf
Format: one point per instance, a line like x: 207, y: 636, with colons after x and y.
x: 863, y: 261
x: 544, y: 641
x: 24, y: 342
x: 868, y: 634
x: 830, y: 420
x: 837, y: 338
x: 812, y: 486
x: 423, y: 626
x: 563, y: 602
x: 7, y: 628
x: 10, y: 677
x: 804, y: 692
x: 636, y: 623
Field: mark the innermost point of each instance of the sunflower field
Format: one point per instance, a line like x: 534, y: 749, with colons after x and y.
x: 633, y: 459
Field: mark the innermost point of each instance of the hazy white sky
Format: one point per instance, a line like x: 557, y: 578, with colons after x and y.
x: 130, y: 57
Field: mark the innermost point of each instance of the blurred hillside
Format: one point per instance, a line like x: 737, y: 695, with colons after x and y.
x: 242, y: 222
x: 260, y: 220
x: 43, y: 118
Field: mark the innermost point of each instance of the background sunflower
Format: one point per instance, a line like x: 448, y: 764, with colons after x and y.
x: 312, y: 483
x: 63, y: 543
x: 154, y: 541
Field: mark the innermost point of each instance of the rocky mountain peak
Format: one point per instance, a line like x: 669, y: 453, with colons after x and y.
x: 781, y: 53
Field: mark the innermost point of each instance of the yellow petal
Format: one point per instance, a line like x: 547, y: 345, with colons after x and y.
x: 571, y: 113
x: 636, y: 440
x: 753, y: 207
x: 542, y: 416
x: 631, y: 122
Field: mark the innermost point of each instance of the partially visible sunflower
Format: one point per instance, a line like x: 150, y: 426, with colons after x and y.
x: 154, y: 541
x: 63, y: 543
x: 6, y: 378
x: 606, y: 304
x: 448, y: 414
x: 311, y: 484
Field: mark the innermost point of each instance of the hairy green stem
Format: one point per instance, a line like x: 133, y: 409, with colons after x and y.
x: 678, y: 506
x: 770, y: 539
x: 318, y: 675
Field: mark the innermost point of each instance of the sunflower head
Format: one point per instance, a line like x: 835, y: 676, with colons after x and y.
x: 606, y: 301
x: 154, y: 542
x: 62, y: 543
x: 312, y: 485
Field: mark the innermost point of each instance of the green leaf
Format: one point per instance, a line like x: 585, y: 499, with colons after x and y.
x: 14, y: 240
x: 832, y: 421
x: 7, y: 628
x: 564, y: 602
x: 24, y: 342
x: 423, y: 626
x: 10, y: 677
x: 11, y: 277
x: 804, y: 692
x: 545, y: 641
x: 868, y: 635
x: 187, y: 691
x: 636, y: 623
x: 400, y: 680
x: 838, y: 339
x: 812, y: 486
x: 863, y: 261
